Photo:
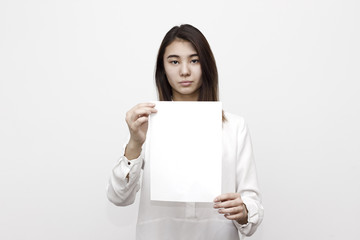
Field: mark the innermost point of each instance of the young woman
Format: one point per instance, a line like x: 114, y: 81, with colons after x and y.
x: 186, y: 71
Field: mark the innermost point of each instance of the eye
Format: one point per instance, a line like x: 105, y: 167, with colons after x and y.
x: 194, y: 61
x: 174, y: 62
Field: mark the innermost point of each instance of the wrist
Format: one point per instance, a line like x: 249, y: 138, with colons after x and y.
x: 135, y: 145
x: 244, y: 220
x: 132, y: 150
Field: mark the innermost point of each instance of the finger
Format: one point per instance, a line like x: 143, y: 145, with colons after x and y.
x: 232, y: 211
x: 147, y: 104
x: 235, y: 214
x: 143, y: 112
x: 234, y: 217
x: 230, y: 203
x: 140, y: 105
x: 226, y: 196
x: 140, y: 121
x: 134, y: 114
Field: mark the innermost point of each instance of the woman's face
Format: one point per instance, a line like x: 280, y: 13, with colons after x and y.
x: 183, y: 70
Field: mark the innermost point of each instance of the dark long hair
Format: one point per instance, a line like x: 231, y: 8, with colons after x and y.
x: 209, y: 90
x: 209, y: 87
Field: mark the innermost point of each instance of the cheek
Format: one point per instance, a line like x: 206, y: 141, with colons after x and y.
x: 169, y: 74
x: 198, y: 73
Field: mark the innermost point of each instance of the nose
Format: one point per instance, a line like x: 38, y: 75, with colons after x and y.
x: 185, y: 70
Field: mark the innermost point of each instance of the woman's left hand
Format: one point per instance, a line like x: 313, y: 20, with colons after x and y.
x: 232, y: 206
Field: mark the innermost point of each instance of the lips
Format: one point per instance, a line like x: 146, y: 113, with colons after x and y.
x: 185, y: 83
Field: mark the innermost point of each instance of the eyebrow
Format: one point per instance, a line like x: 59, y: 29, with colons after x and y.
x: 177, y: 56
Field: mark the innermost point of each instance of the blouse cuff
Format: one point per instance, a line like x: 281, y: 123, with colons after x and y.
x: 125, y: 166
x: 253, y: 218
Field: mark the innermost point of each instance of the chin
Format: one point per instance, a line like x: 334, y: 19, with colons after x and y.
x: 187, y: 92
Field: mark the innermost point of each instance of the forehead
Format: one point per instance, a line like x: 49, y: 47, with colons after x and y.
x: 180, y: 47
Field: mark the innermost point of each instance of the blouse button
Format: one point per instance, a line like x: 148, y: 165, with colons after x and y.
x: 129, y: 163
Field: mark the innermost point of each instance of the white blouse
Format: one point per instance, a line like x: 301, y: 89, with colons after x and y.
x: 159, y: 220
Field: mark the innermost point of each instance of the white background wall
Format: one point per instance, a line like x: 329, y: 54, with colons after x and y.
x: 69, y: 71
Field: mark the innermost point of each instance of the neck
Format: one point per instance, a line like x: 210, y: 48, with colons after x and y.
x: 188, y: 97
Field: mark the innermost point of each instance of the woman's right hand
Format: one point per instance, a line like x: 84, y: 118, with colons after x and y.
x: 137, y: 121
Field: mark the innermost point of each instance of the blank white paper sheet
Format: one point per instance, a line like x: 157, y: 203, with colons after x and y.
x: 184, y: 150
